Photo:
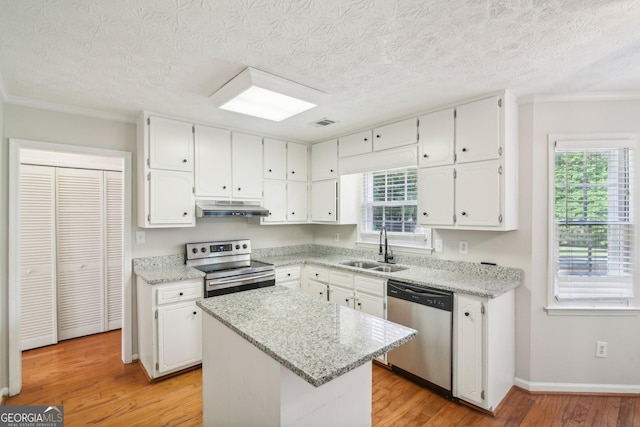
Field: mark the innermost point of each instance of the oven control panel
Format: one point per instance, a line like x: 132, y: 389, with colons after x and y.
x: 217, y: 249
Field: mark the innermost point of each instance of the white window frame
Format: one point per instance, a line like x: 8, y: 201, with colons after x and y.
x: 623, y: 306
x: 418, y: 242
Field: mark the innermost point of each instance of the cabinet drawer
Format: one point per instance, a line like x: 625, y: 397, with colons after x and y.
x: 317, y: 273
x: 339, y: 278
x: 284, y: 274
x: 370, y: 285
x: 180, y: 291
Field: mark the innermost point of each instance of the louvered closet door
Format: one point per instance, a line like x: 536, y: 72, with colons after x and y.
x: 37, y: 256
x: 80, y: 252
x: 114, y: 232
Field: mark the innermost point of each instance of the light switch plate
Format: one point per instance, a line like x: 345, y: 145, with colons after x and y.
x: 140, y: 237
x: 438, y: 245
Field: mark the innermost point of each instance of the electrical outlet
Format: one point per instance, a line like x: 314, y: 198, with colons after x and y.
x: 336, y: 237
x: 438, y: 245
x: 463, y: 247
x: 601, y: 349
x: 140, y: 237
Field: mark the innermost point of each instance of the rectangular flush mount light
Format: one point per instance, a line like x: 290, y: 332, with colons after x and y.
x: 259, y: 94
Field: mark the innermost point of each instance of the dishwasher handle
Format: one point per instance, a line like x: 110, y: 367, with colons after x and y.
x: 435, y: 298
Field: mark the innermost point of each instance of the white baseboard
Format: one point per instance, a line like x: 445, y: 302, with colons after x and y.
x: 4, y: 392
x: 577, y: 387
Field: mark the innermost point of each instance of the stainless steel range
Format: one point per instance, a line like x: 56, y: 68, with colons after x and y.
x: 229, y: 267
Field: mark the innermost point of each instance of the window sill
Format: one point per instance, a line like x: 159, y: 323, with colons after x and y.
x: 592, y: 311
x: 399, y: 248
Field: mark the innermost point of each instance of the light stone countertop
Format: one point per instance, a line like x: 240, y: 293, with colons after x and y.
x: 475, y: 279
x: 317, y: 340
x: 157, y: 275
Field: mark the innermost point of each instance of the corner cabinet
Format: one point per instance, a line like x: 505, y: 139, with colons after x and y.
x: 335, y: 201
x: 472, y: 151
x: 169, y: 326
x: 165, y: 177
x: 484, y: 349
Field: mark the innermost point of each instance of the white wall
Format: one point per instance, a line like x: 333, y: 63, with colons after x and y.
x: 4, y: 248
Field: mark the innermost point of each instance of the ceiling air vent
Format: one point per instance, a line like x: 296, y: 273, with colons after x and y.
x: 323, y: 122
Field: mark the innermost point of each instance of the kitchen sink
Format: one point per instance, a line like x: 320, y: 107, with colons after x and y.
x: 360, y: 264
x: 388, y: 268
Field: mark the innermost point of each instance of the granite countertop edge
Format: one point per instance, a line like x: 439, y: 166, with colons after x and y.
x: 314, y: 381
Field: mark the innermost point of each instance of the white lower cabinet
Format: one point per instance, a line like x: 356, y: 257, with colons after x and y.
x: 169, y: 326
x: 289, y: 276
x: 484, y: 349
x: 317, y: 289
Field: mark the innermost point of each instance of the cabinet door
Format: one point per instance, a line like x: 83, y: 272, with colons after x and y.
x: 395, y: 135
x: 275, y: 200
x: 324, y: 160
x: 179, y: 336
x: 275, y: 159
x: 469, y: 351
x: 358, y: 143
x: 341, y: 296
x: 170, y: 144
x: 297, y: 201
x: 212, y: 162
x: 297, y: 162
x: 37, y: 222
x: 435, y: 196
x: 478, y: 194
x: 171, y: 198
x: 436, y: 139
x: 478, y: 130
x: 246, y: 166
x: 317, y: 289
x: 370, y: 304
x: 324, y: 201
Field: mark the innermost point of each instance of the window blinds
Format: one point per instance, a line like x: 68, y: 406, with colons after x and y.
x: 390, y: 199
x: 593, y: 220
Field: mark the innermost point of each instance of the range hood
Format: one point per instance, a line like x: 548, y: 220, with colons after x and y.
x: 210, y: 208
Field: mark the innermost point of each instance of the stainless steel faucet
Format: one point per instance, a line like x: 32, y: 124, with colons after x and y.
x: 388, y: 254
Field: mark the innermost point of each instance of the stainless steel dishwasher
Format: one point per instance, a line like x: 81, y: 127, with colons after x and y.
x: 427, y: 358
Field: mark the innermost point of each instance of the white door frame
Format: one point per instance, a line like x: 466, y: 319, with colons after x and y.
x: 15, y: 352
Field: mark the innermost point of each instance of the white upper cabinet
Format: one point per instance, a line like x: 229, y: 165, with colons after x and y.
x: 246, y: 166
x: 436, y: 196
x: 324, y: 203
x: 357, y: 143
x: 212, y: 162
x: 297, y: 161
x: 170, y: 144
x: 478, y: 130
x: 436, y: 138
x: 275, y: 159
x: 324, y: 160
x: 395, y: 135
x: 275, y: 200
x: 171, y: 198
x: 297, y: 198
x: 478, y: 194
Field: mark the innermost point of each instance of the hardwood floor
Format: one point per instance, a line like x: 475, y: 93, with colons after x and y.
x: 96, y: 388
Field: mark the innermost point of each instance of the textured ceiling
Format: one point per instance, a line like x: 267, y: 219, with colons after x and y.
x: 377, y: 59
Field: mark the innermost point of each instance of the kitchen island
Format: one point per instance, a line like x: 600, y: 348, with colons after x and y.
x: 275, y: 357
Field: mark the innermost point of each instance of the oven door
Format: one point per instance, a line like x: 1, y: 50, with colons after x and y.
x: 239, y: 283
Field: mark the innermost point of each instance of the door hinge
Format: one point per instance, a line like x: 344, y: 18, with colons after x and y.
x: 500, y: 218
x: 500, y: 151
x: 148, y: 121
x: 499, y: 102
x: 454, y: 219
x: 193, y: 190
x: 384, y: 305
x: 149, y: 220
x: 148, y: 161
x: 193, y: 129
x: 455, y: 113
x: 455, y: 157
x: 500, y: 170
x: 156, y: 314
x: 455, y: 174
x: 158, y: 368
x: 149, y: 176
x: 482, y: 395
x: 482, y: 308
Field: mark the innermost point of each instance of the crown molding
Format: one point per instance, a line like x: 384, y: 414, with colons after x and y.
x: 582, y: 96
x: 61, y: 108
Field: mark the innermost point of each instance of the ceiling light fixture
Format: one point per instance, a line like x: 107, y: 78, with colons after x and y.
x: 259, y: 94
